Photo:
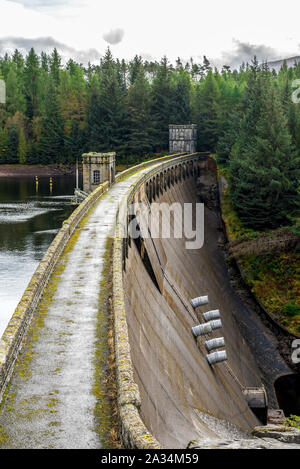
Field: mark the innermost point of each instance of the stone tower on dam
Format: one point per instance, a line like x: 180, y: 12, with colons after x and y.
x: 98, y: 168
x: 182, y: 138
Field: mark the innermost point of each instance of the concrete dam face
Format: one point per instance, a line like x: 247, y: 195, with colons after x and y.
x: 183, y: 397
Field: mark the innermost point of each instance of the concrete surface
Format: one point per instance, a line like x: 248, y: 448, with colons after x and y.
x: 175, y: 380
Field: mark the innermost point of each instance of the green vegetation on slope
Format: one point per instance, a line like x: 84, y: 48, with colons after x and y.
x: 273, y: 277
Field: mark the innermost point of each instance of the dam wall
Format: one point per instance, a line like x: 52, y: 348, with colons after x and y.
x: 163, y: 375
x: 165, y: 383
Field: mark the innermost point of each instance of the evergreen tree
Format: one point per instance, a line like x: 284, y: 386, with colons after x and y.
x: 134, y: 68
x: 18, y: 61
x: 44, y: 62
x: 55, y: 65
x: 257, y: 82
x: 109, y: 108
x: 139, y: 117
x: 162, y: 105
x: 54, y: 112
x: 181, y: 99
x: 229, y: 117
x: 265, y: 178
x: 206, y: 113
x: 51, y: 142
x: 31, y: 80
x: 3, y: 144
x: 22, y: 148
x: 15, y: 100
x: 94, y: 116
x: 12, y: 145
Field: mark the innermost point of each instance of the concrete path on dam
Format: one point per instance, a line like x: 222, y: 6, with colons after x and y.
x: 57, y: 396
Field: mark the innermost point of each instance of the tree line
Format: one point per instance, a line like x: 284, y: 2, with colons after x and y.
x: 55, y: 112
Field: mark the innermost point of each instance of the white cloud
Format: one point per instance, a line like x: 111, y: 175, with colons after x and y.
x: 245, y: 51
x: 36, y: 4
x: 114, y: 36
x: 47, y: 44
x: 167, y: 27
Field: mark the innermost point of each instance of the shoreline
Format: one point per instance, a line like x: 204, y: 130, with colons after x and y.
x: 17, y: 170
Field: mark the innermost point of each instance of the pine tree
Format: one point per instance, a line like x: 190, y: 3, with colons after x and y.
x: 22, y: 148
x: 18, y: 61
x: 51, y: 142
x: 162, y: 105
x: 134, y: 68
x: 94, y: 116
x: 107, y: 116
x: 140, y: 131
x: 265, y: 178
x: 44, y: 62
x: 15, y: 100
x: 229, y: 116
x: 257, y: 81
x: 3, y: 144
x: 206, y: 113
x: 181, y: 113
x: 12, y: 145
x: 31, y: 82
x: 55, y: 66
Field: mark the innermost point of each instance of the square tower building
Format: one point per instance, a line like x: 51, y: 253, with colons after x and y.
x: 98, y: 168
x: 182, y: 138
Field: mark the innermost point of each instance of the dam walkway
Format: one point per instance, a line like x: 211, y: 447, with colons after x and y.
x: 57, y: 396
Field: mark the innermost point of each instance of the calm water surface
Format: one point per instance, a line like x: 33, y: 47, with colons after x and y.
x: 29, y: 220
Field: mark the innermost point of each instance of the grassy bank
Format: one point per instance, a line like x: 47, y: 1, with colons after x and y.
x: 273, y: 277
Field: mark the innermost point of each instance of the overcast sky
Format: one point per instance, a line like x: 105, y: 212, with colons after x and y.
x: 227, y: 31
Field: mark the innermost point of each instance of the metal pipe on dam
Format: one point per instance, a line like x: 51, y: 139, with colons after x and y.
x: 183, y: 397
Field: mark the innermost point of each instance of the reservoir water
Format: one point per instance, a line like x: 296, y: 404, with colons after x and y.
x: 30, y: 217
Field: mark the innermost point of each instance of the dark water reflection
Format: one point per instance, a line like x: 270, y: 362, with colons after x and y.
x: 29, y: 220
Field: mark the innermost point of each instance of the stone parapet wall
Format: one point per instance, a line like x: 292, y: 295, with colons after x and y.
x: 146, y: 164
